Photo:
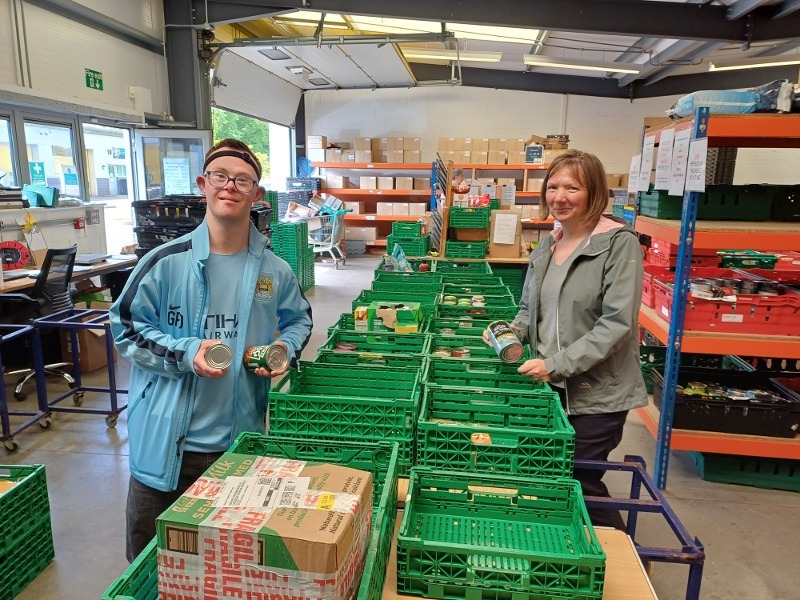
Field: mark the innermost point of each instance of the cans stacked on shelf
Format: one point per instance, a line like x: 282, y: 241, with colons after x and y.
x: 290, y: 242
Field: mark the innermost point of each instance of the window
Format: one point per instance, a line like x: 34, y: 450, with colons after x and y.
x: 51, y: 157
x: 8, y: 175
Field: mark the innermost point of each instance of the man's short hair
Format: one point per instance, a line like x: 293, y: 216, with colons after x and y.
x: 234, y: 144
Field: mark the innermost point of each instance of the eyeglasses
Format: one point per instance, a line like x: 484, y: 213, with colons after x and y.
x: 218, y: 179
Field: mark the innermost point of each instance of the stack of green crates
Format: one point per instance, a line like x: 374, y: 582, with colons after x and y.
x: 514, y: 277
x: 412, y: 246
x: 470, y: 218
x: 140, y: 581
x: 271, y: 196
x: 290, y: 242
x: 374, y: 348
x: 26, y: 536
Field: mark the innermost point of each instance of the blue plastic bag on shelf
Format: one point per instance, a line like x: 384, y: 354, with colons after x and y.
x: 775, y: 96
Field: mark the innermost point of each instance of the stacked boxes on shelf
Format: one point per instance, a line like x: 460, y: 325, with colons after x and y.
x: 290, y: 242
x: 26, y: 536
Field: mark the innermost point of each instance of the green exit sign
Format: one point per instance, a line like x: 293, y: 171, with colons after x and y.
x: 94, y: 79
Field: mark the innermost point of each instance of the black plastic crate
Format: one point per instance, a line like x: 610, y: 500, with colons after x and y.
x: 774, y: 418
x: 172, y: 211
x: 152, y: 237
x: 261, y: 216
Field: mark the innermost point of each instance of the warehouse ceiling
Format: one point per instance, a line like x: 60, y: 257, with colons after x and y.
x: 636, y: 48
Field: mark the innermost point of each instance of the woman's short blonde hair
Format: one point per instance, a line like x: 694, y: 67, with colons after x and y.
x: 589, y: 171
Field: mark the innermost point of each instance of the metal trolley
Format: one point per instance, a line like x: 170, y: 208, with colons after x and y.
x: 325, y: 234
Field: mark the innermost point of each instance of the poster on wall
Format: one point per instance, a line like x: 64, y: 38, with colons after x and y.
x: 71, y: 185
x: 177, y: 176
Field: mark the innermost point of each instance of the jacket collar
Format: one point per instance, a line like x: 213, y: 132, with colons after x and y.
x: 597, y: 241
x: 201, y: 245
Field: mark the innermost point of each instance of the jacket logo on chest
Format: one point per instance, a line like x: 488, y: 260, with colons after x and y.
x: 263, y: 290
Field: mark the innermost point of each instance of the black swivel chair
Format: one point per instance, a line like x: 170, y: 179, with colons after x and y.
x: 50, y: 294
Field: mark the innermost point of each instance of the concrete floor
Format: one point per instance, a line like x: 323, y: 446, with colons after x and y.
x: 750, y: 535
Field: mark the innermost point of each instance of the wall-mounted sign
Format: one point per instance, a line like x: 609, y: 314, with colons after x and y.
x: 118, y: 152
x: 94, y: 79
x: 37, y: 173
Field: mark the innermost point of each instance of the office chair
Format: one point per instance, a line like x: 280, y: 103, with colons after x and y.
x: 50, y: 294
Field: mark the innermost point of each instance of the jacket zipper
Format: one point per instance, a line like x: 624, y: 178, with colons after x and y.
x: 558, y: 343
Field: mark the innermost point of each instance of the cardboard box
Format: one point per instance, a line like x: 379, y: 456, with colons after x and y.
x: 379, y: 144
x: 385, y: 183
x: 506, y: 181
x: 363, y: 156
x: 394, y: 143
x: 463, y: 144
x: 623, y: 180
x: 612, y: 179
x: 496, y: 157
x: 405, y: 318
x: 515, y: 144
x: 447, y: 155
x: 384, y: 208
x: 480, y: 144
x: 446, y: 144
x: 362, y: 143
x: 498, y: 145
x: 394, y: 156
x: 417, y: 209
x: 368, y: 182
x: 470, y: 234
x: 316, y: 155
x: 400, y: 208
x: 338, y: 182
x: 357, y: 206
x: 462, y: 157
x: 516, y: 158
x: 478, y: 158
x: 422, y: 183
x: 365, y: 234
x: 411, y: 143
x: 316, y: 142
x: 509, y: 248
x: 250, y: 517
x: 411, y: 156
x: 550, y: 155
x: 534, y: 184
x: 333, y: 155
x: 404, y: 183
x: 529, y: 211
x: 348, y: 156
x: 92, y: 354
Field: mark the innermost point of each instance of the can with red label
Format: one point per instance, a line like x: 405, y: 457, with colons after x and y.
x: 505, y: 342
x: 274, y: 357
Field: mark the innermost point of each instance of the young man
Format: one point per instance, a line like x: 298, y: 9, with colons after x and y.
x: 218, y: 284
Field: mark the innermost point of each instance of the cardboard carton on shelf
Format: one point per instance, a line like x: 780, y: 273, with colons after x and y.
x: 516, y: 157
x: 422, y: 183
x: 384, y: 208
x: 462, y: 156
x: 348, y: 156
x: 498, y: 144
x: 534, y: 184
x: 515, y: 145
x: 379, y: 144
x: 404, y: 183
x: 550, y: 155
x: 333, y: 155
x: 478, y: 158
x: 463, y: 144
x: 385, y: 183
x: 339, y: 182
x: 366, y: 234
x: 368, y: 182
x: 446, y: 144
x: 310, y: 522
x: 411, y: 156
x: 480, y: 144
x: 400, y: 208
x: 411, y: 143
x: 316, y: 154
x: 506, y: 181
x: 316, y: 142
x: 356, y: 206
x: 505, y: 234
x: 362, y: 143
x: 496, y: 157
x: 394, y: 143
x: 363, y: 156
x: 417, y: 208
x: 394, y: 156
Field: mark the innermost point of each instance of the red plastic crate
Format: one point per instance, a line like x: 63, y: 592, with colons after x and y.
x: 671, y: 261
x: 666, y: 274
x: 785, y: 277
x: 750, y: 314
x: 664, y: 247
x: 788, y: 261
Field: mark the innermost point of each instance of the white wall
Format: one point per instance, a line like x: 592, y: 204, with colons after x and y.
x: 610, y: 128
x: 59, y: 49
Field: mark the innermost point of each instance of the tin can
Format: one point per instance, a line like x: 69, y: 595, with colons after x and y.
x: 218, y: 356
x: 273, y: 357
x: 447, y: 331
x: 345, y: 347
x: 505, y: 342
x: 461, y: 352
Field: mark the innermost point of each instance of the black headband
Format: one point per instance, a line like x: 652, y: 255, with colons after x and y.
x: 238, y: 154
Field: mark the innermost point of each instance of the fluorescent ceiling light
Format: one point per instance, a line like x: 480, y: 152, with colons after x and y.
x: 535, y: 60
x: 464, y: 56
x: 754, y: 63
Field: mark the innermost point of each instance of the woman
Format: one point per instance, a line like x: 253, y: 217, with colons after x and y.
x: 579, y: 311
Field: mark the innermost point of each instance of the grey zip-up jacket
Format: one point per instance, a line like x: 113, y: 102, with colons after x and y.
x: 598, y: 324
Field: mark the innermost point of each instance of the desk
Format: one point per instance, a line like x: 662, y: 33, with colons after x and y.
x: 104, y: 268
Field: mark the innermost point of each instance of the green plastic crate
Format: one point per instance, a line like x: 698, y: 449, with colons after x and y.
x: 786, y: 205
x: 24, y: 506
x: 658, y: 204
x: 404, y: 229
x: 28, y: 555
x: 475, y: 287
x: 475, y: 345
x: 433, y: 279
x: 377, y: 344
x: 321, y: 400
x: 735, y: 203
x: 427, y: 300
x: 477, y: 218
x: 455, y: 267
x: 494, y: 431
x: 460, y: 326
x: 454, y: 249
x: 496, y: 307
x: 733, y: 259
x: 407, y: 285
x: 376, y: 361
x: 140, y: 580
x: 494, y: 204
x: 411, y: 246
x: 484, y: 537
x: 478, y: 373
x: 768, y: 473
x: 618, y: 210
x: 414, y: 262
x: 347, y: 322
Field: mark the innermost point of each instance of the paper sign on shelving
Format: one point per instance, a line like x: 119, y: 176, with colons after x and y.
x: 664, y: 160
x: 680, y: 155
x: 696, y: 171
x: 505, y: 228
x: 633, y: 174
x: 646, y: 166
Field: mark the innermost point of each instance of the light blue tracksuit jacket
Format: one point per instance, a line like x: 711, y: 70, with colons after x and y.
x: 158, y: 324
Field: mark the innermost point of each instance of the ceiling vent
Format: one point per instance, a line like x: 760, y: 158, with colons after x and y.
x: 274, y: 54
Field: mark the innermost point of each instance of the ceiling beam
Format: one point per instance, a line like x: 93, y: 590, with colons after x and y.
x: 692, y: 56
x: 620, y: 17
x: 675, y: 50
x: 740, y: 8
x: 786, y: 8
x: 781, y: 48
x: 718, y: 80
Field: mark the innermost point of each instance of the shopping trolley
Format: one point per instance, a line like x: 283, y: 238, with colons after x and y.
x: 325, y: 233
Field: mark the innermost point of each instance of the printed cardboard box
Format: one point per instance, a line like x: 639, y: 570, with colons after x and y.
x: 262, y: 527
x: 400, y: 318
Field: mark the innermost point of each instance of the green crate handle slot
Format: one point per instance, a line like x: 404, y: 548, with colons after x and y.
x: 474, y: 369
x: 505, y: 441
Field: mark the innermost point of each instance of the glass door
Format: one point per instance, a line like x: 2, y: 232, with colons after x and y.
x: 168, y: 161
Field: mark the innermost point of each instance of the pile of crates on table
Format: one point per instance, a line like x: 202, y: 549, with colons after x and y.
x: 26, y: 536
x: 290, y: 242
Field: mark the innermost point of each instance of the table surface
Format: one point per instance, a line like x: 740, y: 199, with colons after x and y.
x: 625, y: 579
x: 115, y: 263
